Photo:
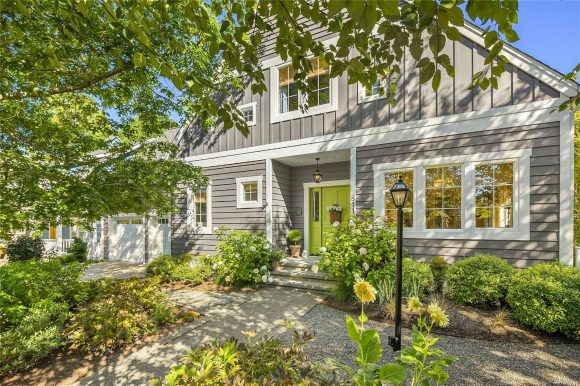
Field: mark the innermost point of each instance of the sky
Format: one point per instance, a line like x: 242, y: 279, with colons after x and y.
x: 549, y: 31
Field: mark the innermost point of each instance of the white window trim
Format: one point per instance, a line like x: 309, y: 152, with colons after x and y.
x: 521, y: 185
x: 276, y: 116
x: 191, y: 227
x: 248, y: 106
x: 363, y: 97
x: 240, y: 203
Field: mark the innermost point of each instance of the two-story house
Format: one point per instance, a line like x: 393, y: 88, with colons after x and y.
x: 490, y: 171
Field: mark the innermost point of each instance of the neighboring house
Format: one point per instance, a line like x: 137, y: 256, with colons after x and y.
x: 490, y: 171
x: 58, y: 239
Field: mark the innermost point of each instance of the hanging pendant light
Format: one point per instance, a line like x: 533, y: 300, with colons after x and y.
x: 317, y: 175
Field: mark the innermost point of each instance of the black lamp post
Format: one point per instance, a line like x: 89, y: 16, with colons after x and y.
x: 399, y: 193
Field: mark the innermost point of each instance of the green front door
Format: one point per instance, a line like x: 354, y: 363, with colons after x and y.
x: 319, y: 217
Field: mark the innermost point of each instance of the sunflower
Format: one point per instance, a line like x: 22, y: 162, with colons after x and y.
x: 364, y: 291
x: 438, y: 315
x: 414, y: 305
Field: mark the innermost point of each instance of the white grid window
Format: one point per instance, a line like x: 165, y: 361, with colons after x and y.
x: 199, y: 219
x: 248, y: 113
x: 494, y: 195
x: 249, y: 192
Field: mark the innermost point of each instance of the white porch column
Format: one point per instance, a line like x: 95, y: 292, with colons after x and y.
x: 353, y: 180
x: 269, y: 176
x: 566, y: 250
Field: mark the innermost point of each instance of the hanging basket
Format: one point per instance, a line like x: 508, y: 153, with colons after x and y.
x: 334, y: 217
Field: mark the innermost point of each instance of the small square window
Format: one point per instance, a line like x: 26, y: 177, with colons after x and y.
x: 249, y: 192
x: 249, y: 113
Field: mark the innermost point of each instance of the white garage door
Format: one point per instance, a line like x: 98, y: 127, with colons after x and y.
x: 126, y: 242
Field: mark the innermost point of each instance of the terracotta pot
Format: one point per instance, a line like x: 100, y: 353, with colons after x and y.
x: 334, y: 217
x: 295, y: 250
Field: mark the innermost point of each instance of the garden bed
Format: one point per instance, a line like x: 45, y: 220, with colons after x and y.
x: 464, y: 322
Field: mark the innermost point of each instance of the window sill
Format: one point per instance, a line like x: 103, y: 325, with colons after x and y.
x: 279, y: 117
x: 469, y: 234
x: 201, y: 231
x: 246, y: 205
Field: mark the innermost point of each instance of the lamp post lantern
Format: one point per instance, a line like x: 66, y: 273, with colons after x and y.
x: 399, y: 193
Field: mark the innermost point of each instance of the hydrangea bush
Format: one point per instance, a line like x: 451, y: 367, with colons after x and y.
x: 242, y: 257
x: 353, y: 249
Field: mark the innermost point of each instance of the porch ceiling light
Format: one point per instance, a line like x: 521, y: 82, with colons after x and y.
x: 317, y: 175
x: 399, y: 192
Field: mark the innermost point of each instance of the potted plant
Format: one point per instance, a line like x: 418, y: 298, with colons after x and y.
x: 335, y: 211
x: 295, y: 235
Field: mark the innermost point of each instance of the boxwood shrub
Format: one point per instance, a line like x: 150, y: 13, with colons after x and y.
x: 478, y: 280
x: 547, y: 297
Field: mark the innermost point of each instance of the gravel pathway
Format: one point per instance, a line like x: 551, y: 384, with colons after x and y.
x: 481, y: 363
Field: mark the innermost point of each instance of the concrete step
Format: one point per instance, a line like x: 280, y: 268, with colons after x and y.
x: 307, y: 284
x: 299, y: 262
x: 300, y: 272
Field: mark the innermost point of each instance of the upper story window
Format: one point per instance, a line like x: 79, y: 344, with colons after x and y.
x: 482, y: 196
x: 494, y: 193
x: 443, y: 197
x: 248, y: 113
x: 249, y: 192
x: 390, y: 208
x: 199, y: 210
x: 286, y: 99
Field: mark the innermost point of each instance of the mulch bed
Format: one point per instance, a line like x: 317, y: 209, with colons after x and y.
x: 464, y: 322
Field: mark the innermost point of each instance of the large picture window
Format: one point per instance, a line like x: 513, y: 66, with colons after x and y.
x: 390, y: 208
x: 443, y: 197
x: 494, y: 193
x: 483, y: 196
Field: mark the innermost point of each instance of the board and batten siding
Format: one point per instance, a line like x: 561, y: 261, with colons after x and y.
x: 414, y: 102
x: 544, y: 140
x: 224, y: 209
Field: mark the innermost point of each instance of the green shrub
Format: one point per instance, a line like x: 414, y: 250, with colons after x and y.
x: 479, y: 280
x: 417, y: 277
x: 295, y: 235
x: 547, y: 297
x: 242, y: 257
x: 439, y: 269
x: 263, y: 362
x: 37, y: 334
x: 182, y: 268
x: 121, y: 312
x: 357, y: 248
x: 25, y: 283
x: 2, y: 251
x: 78, y: 249
x: 25, y: 248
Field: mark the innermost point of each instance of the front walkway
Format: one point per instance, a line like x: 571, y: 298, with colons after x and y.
x: 114, y: 270
x: 266, y: 311
x: 224, y: 315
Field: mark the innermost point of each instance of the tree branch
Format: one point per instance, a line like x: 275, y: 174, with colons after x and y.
x: 62, y: 90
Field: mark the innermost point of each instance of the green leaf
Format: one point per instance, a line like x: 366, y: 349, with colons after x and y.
x: 436, y: 80
x: 138, y: 60
x: 370, y: 348
x: 389, y: 7
x: 426, y: 72
x: 490, y: 38
x: 393, y: 374
x: 511, y: 35
x: 453, y: 34
x: 352, y: 329
x: 456, y: 16
x: 436, y: 43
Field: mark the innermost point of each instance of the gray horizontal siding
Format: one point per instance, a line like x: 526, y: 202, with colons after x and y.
x: 281, y: 204
x: 414, y: 102
x: 544, y: 198
x: 224, y: 210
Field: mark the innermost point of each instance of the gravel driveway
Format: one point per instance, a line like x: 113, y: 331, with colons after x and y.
x: 481, y: 363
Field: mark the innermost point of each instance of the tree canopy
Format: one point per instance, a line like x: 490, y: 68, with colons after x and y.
x: 86, y: 84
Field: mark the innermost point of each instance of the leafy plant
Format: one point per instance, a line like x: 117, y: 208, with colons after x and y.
x: 25, y: 248
x: 417, y: 277
x: 242, y: 257
x: 295, y: 235
x: 479, y: 280
x: 546, y: 297
x: 25, y: 283
x: 262, y: 361
x: 501, y: 317
x: 38, y: 333
x: 357, y: 248
x: 2, y: 251
x: 78, y: 249
x: 182, y: 268
x: 121, y: 312
x: 439, y: 269
x: 425, y: 363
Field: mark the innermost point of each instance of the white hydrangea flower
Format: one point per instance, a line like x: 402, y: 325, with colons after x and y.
x: 220, y: 263
x: 244, y: 245
x: 215, y: 229
x: 253, y: 249
x: 264, y: 278
x: 270, y: 279
x: 266, y: 246
x: 256, y: 270
x: 237, y: 255
x: 362, y: 251
x: 263, y: 268
x: 323, y: 249
x: 228, y: 279
x: 366, y: 266
x: 214, y: 267
x: 315, y: 268
x: 335, y: 224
